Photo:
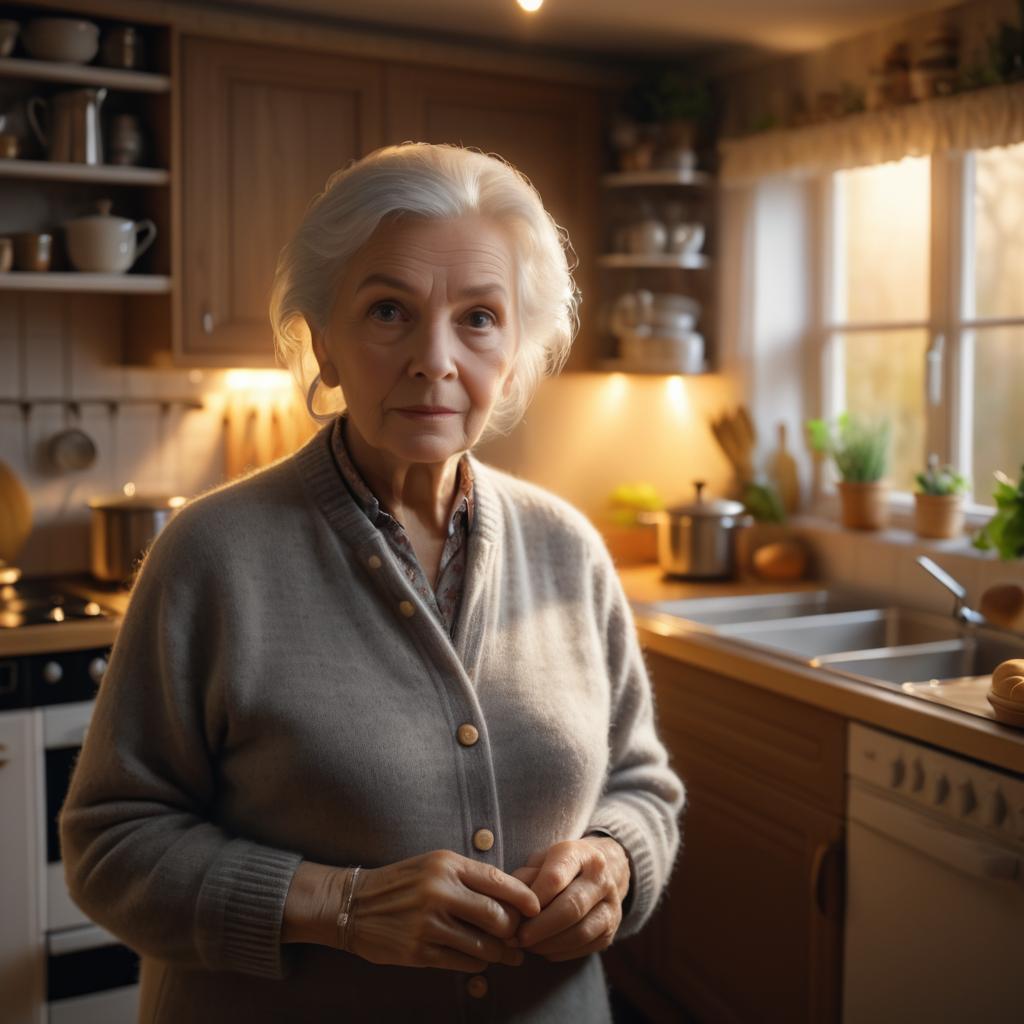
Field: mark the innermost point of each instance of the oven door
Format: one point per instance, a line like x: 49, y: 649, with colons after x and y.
x: 91, y: 978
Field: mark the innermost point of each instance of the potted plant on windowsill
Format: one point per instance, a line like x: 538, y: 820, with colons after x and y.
x: 860, y: 451
x: 939, y: 501
x: 1004, y: 532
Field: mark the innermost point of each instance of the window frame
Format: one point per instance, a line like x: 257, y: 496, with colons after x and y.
x: 950, y: 323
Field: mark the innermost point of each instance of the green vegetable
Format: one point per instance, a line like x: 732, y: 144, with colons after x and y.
x: 763, y: 503
x: 860, y: 449
x: 1004, y: 532
x: 940, y: 480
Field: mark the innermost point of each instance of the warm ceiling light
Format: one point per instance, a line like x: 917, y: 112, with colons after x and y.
x: 530, y: 5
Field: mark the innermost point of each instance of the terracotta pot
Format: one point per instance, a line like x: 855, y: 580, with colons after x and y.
x: 864, y: 506
x: 938, y: 515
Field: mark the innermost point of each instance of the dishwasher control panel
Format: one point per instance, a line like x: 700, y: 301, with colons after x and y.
x: 953, y: 787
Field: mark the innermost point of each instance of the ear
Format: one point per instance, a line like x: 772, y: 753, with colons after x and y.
x: 328, y: 374
x: 506, y: 384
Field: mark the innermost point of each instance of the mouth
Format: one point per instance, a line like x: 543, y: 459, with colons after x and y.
x: 426, y: 412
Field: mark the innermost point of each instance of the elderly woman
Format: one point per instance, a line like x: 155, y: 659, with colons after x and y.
x: 377, y: 706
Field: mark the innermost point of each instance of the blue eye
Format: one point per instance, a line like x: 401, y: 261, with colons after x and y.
x: 489, y: 322
x: 387, y: 305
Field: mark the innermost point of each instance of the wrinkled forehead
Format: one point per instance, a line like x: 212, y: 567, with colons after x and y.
x: 470, y: 252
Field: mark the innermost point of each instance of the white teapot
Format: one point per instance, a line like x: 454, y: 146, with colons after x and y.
x: 104, y: 244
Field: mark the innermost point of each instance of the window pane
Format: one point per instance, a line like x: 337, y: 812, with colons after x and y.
x: 883, y: 217
x: 998, y: 429
x: 884, y: 377
x: 999, y: 231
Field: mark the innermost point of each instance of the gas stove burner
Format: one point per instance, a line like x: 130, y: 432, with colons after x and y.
x: 41, y: 602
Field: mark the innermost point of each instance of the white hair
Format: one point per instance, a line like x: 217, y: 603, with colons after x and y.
x: 437, y: 181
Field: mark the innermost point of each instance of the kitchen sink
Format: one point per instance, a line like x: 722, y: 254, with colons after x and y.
x: 952, y: 659
x: 811, y: 636
x: 745, y: 608
x: 922, y: 654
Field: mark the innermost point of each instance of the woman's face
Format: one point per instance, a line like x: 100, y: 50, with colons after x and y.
x: 422, y: 335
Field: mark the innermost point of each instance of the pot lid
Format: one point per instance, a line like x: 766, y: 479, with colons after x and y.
x: 715, y: 508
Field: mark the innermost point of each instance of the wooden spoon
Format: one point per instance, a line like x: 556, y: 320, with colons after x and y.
x: 1003, y: 604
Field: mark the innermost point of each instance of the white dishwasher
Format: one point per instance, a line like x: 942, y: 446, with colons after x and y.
x: 934, y: 886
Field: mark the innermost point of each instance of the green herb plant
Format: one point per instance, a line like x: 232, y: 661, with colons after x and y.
x: 859, y: 448
x: 1004, y: 532
x: 940, y: 480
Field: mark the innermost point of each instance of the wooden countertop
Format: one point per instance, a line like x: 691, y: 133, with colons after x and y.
x: 909, y: 716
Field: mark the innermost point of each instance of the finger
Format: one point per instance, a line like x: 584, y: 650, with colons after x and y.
x: 536, y: 859
x: 490, y: 916
x: 526, y: 875
x: 568, y: 908
x: 491, y: 881
x: 467, y: 940
x: 563, y: 863
x: 600, y: 923
x: 597, y: 946
x: 452, y: 960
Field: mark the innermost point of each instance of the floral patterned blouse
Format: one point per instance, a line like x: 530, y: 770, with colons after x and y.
x: 444, y: 598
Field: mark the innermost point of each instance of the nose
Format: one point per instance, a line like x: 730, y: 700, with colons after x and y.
x: 433, y: 350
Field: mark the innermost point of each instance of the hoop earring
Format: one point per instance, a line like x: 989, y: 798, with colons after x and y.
x: 320, y: 417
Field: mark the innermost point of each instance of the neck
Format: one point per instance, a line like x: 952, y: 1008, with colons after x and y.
x: 410, y: 491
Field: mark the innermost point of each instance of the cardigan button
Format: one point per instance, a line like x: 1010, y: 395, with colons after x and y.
x: 407, y: 608
x: 374, y: 562
x: 468, y: 734
x: 483, y: 839
x: 477, y: 986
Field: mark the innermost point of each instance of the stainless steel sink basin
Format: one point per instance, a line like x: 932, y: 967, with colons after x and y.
x: 721, y: 611
x: 809, y: 637
x: 953, y: 659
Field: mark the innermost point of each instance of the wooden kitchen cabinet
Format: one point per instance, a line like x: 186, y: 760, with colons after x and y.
x: 551, y: 131
x: 262, y: 129
x: 750, y: 929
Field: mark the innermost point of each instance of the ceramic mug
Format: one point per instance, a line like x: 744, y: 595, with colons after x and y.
x: 33, y: 251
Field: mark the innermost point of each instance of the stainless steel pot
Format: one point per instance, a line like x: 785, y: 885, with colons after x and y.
x: 698, y: 541
x: 122, y: 530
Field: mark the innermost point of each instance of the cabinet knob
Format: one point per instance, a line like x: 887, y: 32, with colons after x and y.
x: 53, y: 672
x: 96, y: 669
x: 208, y: 322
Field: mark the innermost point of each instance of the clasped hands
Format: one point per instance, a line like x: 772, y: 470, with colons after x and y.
x: 441, y: 909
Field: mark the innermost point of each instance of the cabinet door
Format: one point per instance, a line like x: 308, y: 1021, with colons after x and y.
x: 751, y: 926
x: 549, y: 130
x: 263, y: 129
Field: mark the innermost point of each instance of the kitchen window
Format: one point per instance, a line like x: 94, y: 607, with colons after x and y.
x: 923, y: 308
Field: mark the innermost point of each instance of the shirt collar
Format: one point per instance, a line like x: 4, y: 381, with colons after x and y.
x: 368, y: 501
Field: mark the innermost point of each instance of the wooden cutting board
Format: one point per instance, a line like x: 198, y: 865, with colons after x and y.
x: 968, y: 693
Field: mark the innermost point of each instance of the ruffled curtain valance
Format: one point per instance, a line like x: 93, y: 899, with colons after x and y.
x: 973, y: 120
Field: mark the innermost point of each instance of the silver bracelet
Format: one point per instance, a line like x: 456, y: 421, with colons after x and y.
x: 345, y: 917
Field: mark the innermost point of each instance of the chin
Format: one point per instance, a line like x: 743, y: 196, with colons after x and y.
x: 429, y: 447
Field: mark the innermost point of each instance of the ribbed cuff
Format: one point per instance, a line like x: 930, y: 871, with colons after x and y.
x: 647, y: 881
x: 241, y: 907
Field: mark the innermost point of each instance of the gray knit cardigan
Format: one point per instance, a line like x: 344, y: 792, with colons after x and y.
x: 279, y: 691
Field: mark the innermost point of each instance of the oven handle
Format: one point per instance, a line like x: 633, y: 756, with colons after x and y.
x: 75, y: 940
x: 894, y: 821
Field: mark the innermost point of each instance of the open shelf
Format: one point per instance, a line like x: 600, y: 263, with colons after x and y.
x: 632, y: 179
x: 75, y: 281
x: 83, y: 74
x: 655, y: 261
x: 659, y: 368
x: 101, y: 174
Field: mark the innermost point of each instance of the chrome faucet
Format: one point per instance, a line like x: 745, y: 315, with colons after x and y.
x: 962, y: 611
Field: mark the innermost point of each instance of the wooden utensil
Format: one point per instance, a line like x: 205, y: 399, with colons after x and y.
x: 782, y: 470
